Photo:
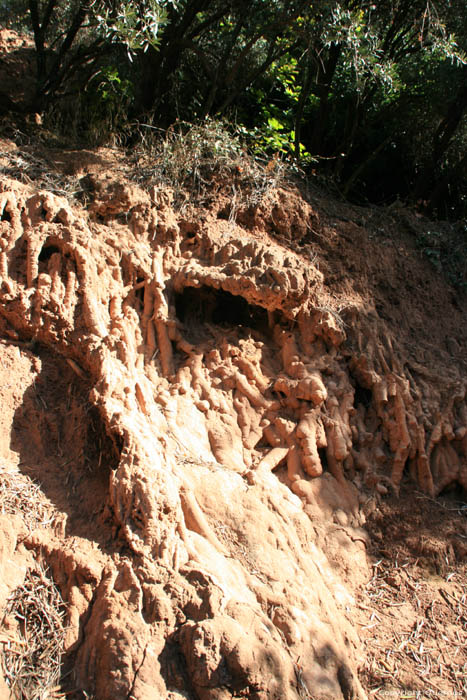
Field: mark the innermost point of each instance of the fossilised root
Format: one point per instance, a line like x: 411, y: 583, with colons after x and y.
x: 308, y: 378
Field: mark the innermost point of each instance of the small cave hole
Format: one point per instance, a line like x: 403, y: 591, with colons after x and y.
x: 362, y: 396
x: 455, y: 493
x: 6, y: 216
x: 323, y: 458
x: 224, y: 214
x: 47, y: 252
x: 189, y: 230
x: 208, y: 305
x: 190, y: 239
x: 139, y: 293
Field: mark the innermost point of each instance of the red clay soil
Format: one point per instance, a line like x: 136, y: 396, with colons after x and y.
x: 235, y: 438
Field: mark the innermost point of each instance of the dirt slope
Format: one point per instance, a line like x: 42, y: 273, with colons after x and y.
x: 221, y: 412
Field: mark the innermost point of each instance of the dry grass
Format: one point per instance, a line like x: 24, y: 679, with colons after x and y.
x: 19, y: 494
x: 435, y: 658
x: 32, y: 629
x: 335, y: 313
x: 27, y: 167
x: 303, y: 690
x: 414, y: 608
x: 31, y: 651
x: 196, y: 159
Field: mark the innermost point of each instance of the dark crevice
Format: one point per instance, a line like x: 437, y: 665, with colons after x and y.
x: 224, y: 213
x: 324, y: 458
x: 208, y: 305
x: 456, y: 493
x: 174, y: 667
x: 130, y: 694
x: 117, y: 443
x: 346, y: 681
x: 362, y: 396
x: 139, y: 293
x: 47, y: 252
x: 68, y: 669
x: 189, y: 231
x: 6, y: 216
x: 102, y: 449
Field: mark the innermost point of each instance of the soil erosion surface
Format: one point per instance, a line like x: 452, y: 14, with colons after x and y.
x: 205, y: 405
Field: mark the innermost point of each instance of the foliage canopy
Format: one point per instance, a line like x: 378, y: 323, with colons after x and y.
x: 372, y: 95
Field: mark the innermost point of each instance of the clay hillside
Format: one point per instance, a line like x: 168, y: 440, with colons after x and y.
x: 233, y: 435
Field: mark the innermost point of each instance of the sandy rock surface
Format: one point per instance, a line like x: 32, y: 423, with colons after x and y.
x: 202, y: 421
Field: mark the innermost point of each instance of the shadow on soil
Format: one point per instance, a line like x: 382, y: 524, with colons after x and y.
x: 63, y: 446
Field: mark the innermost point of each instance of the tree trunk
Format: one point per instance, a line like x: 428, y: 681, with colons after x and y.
x: 442, y: 139
x: 323, y: 89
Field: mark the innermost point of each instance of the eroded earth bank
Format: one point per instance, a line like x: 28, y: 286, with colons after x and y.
x: 206, y: 402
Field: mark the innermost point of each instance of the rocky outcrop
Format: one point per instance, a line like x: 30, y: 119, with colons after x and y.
x: 239, y: 416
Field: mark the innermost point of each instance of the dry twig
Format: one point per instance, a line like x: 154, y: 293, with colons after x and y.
x: 19, y: 494
x: 31, y: 654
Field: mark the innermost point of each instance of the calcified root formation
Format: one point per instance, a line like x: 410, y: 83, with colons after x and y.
x: 215, y: 369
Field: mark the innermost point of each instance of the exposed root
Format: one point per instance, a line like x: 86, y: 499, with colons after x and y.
x: 212, y: 349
